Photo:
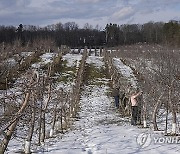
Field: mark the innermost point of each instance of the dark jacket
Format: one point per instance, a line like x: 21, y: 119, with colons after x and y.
x: 115, y: 92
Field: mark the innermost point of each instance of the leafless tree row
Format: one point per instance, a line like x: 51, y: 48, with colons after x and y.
x: 40, y: 110
x: 117, y: 80
x: 157, y: 71
x: 78, y: 83
x: 15, y: 59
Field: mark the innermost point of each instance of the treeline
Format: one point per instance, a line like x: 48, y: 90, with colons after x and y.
x: 70, y: 34
x: 63, y: 34
x: 158, y: 32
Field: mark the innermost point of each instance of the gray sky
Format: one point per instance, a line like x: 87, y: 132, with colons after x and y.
x: 101, y: 12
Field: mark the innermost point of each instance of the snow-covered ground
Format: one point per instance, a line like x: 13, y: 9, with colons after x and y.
x: 72, y: 59
x: 126, y: 72
x: 45, y: 59
x: 100, y: 129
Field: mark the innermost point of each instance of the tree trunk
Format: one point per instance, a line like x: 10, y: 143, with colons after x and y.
x: 27, y: 147
x: 158, y: 104
x: 173, y: 113
x: 43, y: 127
x: 40, y: 122
x: 167, y: 110
x: 54, y: 121
x: 61, y: 119
x: 144, y: 114
x: 43, y: 120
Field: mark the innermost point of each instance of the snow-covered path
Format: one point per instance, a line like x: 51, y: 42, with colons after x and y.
x: 100, y: 129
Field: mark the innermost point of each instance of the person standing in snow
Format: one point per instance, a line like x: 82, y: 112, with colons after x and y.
x: 124, y: 99
x: 115, y: 94
x: 134, y: 107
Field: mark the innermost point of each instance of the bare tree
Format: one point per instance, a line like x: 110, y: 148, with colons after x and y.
x: 11, y: 127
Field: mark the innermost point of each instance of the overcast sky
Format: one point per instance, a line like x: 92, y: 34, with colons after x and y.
x: 101, y: 12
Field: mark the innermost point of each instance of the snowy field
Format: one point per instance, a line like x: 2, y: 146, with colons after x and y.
x: 100, y: 129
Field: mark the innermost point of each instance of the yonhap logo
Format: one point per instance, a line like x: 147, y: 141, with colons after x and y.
x: 144, y: 140
x: 167, y: 140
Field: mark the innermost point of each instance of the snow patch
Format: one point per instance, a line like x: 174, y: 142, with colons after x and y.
x: 96, y: 61
x: 126, y: 71
x: 71, y: 59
